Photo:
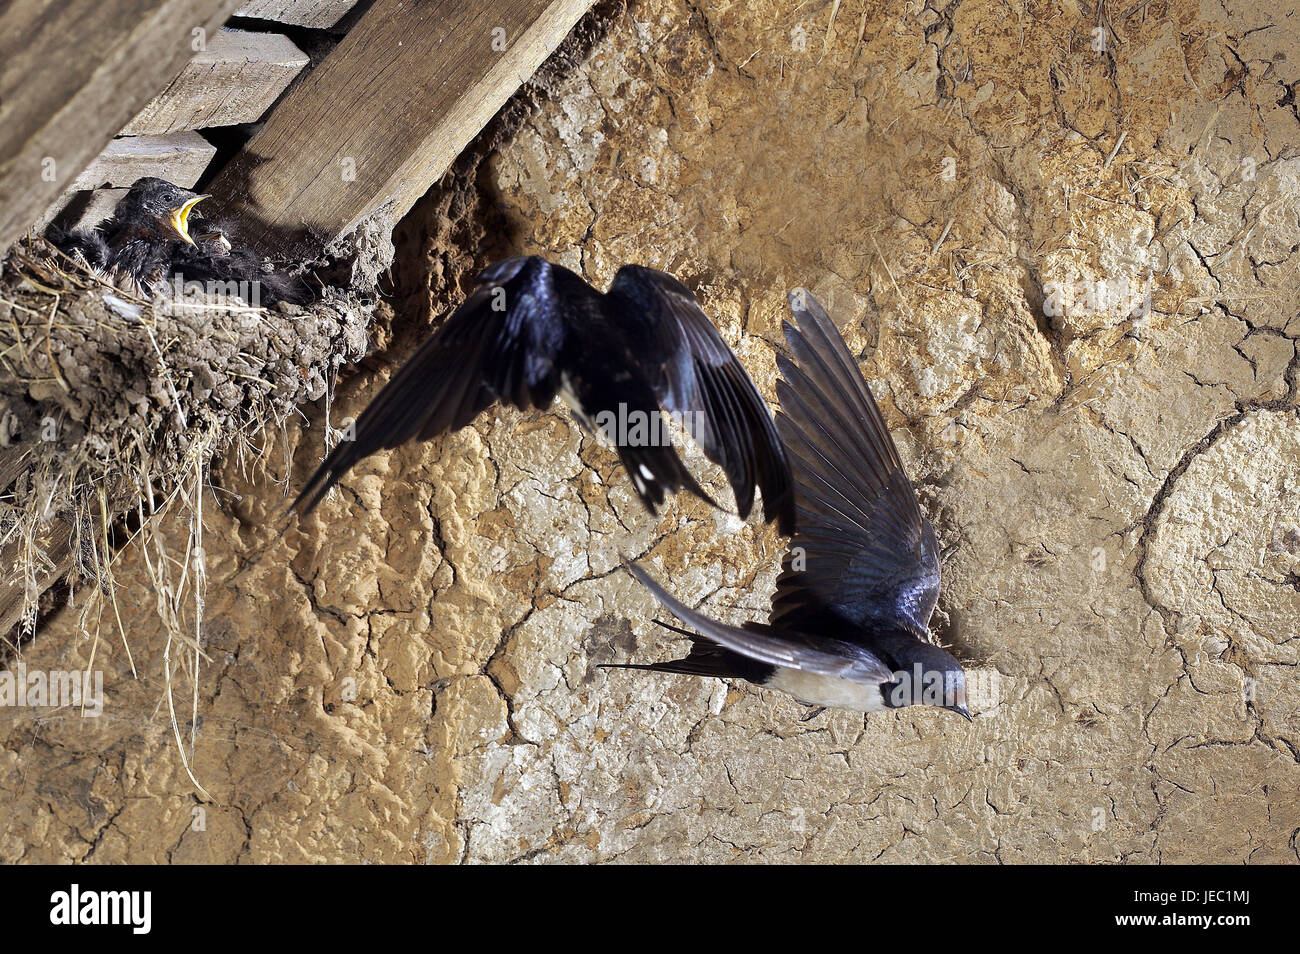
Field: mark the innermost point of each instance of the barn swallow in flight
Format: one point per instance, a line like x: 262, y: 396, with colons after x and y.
x: 531, y: 331
x: 154, y: 235
x: 850, y: 617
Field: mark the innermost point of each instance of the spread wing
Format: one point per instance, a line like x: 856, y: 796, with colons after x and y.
x: 863, y: 550
x: 827, y: 657
x: 697, y: 376
x: 500, y: 342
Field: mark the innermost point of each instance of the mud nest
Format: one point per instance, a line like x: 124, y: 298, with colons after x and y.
x: 112, y: 406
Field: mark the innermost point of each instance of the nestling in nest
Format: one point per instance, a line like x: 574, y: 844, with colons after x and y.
x: 154, y: 244
x: 108, y: 397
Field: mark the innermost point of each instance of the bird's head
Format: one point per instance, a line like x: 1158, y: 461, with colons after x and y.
x: 211, y: 240
x: 928, y: 675
x: 160, y: 207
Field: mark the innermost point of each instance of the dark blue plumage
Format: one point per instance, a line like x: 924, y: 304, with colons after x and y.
x: 531, y: 331
x: 849, y: 619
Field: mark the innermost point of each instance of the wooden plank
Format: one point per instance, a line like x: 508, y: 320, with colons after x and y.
x: 235, y: 80
x: 320, y: 14
x: 74, y: 72
x: 88, y: 209
x: 177, y: 157
x: 383, y: 116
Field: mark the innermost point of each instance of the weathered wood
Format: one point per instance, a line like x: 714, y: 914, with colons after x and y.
x: 384, y: 115
x: 74, y: 72
x: 88, y: 209
x: 320, y: 14
x: 235, y: 80
x: 177, y: 157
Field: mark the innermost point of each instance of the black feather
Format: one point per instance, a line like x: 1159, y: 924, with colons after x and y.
x: 531, y: 330
x: 868, y: 555
x: 861, y: 578
x: 86, y: 246
x: 236, y: 272
x: 706, y: 658
x: 696, y: 373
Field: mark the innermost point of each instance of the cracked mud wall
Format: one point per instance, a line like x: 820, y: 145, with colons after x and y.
x: 1071, y: 277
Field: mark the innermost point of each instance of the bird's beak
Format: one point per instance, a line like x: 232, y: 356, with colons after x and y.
x: 221, y: 241
x: 961, y: 710
x: 180, y: 217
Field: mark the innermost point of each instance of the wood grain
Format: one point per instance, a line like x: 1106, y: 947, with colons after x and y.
x: 320, y: 14
x: 235, y: 80
x: 383, y: 116
x: 177, y: 157
x: 74, y: 72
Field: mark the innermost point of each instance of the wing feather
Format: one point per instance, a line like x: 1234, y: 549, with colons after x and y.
x: 828, y: 657
x: 864, y: 552
x: 695, y: 372
x: 481, y: 352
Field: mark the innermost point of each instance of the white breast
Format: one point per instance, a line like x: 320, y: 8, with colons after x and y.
x: 828, y: 691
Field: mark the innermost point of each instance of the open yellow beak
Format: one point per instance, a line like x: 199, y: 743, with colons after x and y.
x: 180, y: 217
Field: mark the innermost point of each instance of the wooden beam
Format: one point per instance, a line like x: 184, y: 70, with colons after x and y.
x: 383, y: 116
x: 74, y: 72
x: 320, y: 14
x: 177, y: 157
x: 235, y: 80
x: 81, y: 209
x: 87, y: 209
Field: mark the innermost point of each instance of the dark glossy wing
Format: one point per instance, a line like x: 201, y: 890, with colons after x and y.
x: 500, y: 343
x: 694, y: 373
x: 706, y: 658
x: 827, y: 657
x: 868, y: 555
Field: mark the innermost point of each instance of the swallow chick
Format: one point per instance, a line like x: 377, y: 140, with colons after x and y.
x: 849, y: 621
x: 148, y: 240
x: 222, y: 269
x: 531, y: 331
x: 135, y: 245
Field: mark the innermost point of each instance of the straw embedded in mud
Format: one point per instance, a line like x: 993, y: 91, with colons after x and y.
x: 113, y: 409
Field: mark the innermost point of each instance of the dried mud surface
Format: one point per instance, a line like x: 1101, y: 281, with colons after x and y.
x: 983, y: 199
